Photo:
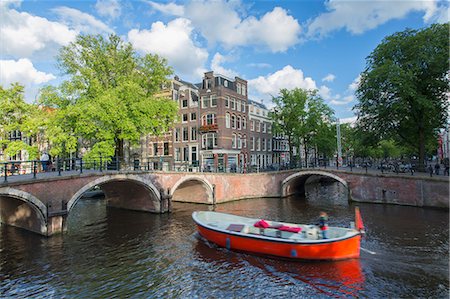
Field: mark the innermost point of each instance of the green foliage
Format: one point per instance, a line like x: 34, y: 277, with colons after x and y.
x: 403, y: 93
x: 109, y: 97
x: 304, y: 118
x: 16, y: 115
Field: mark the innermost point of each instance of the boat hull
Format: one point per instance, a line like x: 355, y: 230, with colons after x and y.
x: 332, y: 250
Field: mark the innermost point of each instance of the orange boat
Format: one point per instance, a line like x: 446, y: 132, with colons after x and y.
x: 279, y: 239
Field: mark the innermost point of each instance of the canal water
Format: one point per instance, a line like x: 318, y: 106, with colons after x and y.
x: 110, y: 253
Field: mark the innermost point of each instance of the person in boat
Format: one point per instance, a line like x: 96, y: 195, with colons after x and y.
x: 323, y: 224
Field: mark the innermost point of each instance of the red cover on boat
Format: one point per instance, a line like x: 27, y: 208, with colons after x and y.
x: 290, y: 229
x: 262, y: 224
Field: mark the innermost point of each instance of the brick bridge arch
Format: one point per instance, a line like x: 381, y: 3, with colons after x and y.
x: 111, y: 186
x: 295, y: 183
x: 22, y: 209
x: 193, y: 188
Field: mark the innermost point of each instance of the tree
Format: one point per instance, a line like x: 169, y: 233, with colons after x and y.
x: 303, y: 117
x: 289, y: 116
x: 403, y: 92
x: 16, y: 119
x: 108, y: 99
x: 320, y: 133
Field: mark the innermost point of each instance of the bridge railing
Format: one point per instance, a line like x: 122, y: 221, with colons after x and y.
x: 57, y: 166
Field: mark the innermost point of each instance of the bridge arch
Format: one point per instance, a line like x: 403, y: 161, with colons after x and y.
x: 112, y: 188
x: 31, y: 216
x: 295, y: 182
x: 193, y: 189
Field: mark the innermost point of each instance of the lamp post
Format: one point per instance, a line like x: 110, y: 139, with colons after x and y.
x: 339, y: 146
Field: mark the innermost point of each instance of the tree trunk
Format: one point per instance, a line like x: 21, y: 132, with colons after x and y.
x: 421, y: 166
x: 305, y: 147
x: 290, y: 151
x: 118, y: 152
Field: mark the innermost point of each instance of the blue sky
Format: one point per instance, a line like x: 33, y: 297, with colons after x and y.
x: 272, y: 44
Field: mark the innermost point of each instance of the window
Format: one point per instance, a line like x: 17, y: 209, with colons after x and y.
x: 252, y: 143
x: 209, y: 141
x: 269, y: 128
x: 244, y: 141
x: 155, y: 149
x: 264, y: 144
x: 186, y: 153
x: 258, y: 144
x: 252, y: 125
x: 185, y: 117
x: 238, y: 123
x: 233, y: 104
x: 269, y: 145
x: 205, y: 101
x: 166, y: 148
x: 233, y: 141
x: 225, y: 83
x: 175, y: 95
x: 233, y: 122
x: 194, y: 154
x: 213, y: 101
x: 184, y: 103
x: 177, y: 154
x: 258, y: 126
x: 238, y: 88
x: 177, y: 134
x: 209, y: 119
x: 193, y: 116
x: 239, y: 141
x: 194, y: 134
x: 243, y: 107
x: 185, y: 134
x: 264, y: 127
x: 227, y: 102
x: 244, y: 90
x: 206, y: 83
x: 244, y: 123
x: 227, y: 120
x: 238, y: 105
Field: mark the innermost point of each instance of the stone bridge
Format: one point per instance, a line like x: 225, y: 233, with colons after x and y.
x: 42, y: 205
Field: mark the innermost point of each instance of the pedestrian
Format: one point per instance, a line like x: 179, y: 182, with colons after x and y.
x: 446, y: 166
x: 437, y: 167
x: 323, y: 224
x: 44, y: 161
x: 430, y: 170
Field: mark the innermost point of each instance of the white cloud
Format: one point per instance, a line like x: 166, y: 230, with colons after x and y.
x: 108, y: 8
x: 354, y: 85
x: 360, y: 16
x: 270, y: 85
x: 346, y: 100
x: 216, y: 65
x: 329, y: 78
x: 23, y: 72
x: 172, y: 41
x: 348, y: 120
x: 81, y: 21
x: 169, y: 8
x: 260, y: 65
x: 22, y: 34
x: 219, y: 22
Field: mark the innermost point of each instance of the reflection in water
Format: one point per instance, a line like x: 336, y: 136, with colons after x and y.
x: 117, y: 253
x: 328, y: 278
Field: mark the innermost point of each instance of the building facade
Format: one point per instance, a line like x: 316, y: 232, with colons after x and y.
x: 223, y: 129
x: 260, y: 136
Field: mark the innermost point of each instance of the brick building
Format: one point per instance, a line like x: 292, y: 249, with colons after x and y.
x: 260, y: 132
x: 223, y: 130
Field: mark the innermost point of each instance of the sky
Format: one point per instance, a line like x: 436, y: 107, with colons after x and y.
x: 312, y: 44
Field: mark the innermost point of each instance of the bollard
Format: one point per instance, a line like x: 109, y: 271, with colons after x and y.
x: 101, y: 164
x: 81, y: 165
x: 34, y: 169
x: 6, y: 171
